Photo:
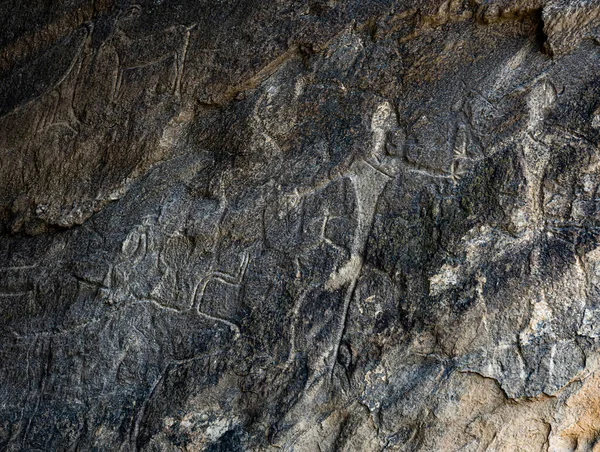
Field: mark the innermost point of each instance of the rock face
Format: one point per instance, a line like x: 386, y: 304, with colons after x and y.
x: 300, y: 225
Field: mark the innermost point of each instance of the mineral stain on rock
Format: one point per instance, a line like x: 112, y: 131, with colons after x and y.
x: 300, y: 225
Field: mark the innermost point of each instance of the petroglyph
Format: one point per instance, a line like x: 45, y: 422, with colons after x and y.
x: 224, y: 278
x: 536, y: 156
x: 171, y: 43
x: 323, y: 225
x: 369, y: 177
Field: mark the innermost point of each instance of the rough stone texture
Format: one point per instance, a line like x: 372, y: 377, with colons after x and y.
x: 300, y: 225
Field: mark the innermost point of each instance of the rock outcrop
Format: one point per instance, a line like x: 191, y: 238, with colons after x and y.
x: 300, y: 225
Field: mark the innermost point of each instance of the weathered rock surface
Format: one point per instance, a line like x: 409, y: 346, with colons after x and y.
x: 300, y: 225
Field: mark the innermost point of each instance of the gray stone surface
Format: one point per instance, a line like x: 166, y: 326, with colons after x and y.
x: 299, y: 225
